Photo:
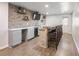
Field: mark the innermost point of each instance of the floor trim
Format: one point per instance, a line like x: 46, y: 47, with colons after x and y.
x: 75, y: 44
x: 3, y: 47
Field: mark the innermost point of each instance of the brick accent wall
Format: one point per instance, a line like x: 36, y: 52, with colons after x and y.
x: 16, y: 19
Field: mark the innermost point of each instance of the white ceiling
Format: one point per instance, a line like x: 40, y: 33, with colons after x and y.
x: 54, y: 7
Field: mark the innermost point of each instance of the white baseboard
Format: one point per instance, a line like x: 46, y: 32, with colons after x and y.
x: 75, y: 44
x: 3, y: 47
x: 67, y: 33
x: 74, y: 41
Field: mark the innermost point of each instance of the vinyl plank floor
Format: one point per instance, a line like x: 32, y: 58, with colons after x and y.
x: 66, y: 47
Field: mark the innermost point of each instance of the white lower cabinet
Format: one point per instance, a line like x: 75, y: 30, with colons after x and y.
x: 15, y: 37
x: 30, y: 33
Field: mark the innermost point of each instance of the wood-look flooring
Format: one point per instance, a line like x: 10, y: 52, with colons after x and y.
x: 67, y: 46
x: 31, y: 48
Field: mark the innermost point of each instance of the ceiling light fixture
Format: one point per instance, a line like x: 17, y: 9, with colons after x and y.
x: 46, y: 13
x: 46, y: 6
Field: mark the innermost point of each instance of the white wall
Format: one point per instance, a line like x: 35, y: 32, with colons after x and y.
x: 55, y: 20
x: 67, y: 28
x: 3, y: 25
x: 75, y: 29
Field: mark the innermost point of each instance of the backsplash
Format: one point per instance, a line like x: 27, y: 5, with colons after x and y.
x: 16, y: 19
x: 21, y: 24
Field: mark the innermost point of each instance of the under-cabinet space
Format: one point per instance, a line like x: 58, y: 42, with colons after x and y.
x: 35, y: 32
x: 24, y: 35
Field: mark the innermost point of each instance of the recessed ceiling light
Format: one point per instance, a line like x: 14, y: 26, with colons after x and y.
x: 46, y: 6
x: 46, y: 13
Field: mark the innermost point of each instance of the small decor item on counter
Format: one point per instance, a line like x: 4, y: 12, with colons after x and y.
x: 25, y: 18
x: 42, y: 20
x: 44, y: 17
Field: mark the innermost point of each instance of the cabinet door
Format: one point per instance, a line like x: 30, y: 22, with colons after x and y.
x: 30, y: 33
x: 15, y: 37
